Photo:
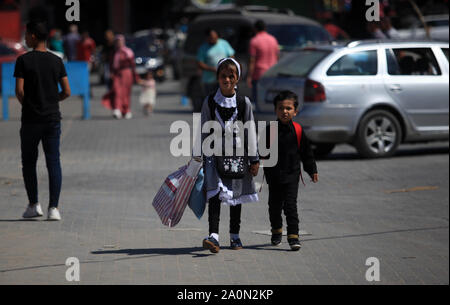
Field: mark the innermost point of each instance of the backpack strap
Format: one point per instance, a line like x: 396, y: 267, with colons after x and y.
x: 212, y: 106
x: 240, y: 101
x: 298, y: 131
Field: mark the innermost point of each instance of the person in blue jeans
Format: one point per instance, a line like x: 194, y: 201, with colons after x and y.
x: 37, y: 74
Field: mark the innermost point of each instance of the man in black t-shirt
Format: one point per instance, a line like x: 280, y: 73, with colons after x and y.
x: 37, y: 76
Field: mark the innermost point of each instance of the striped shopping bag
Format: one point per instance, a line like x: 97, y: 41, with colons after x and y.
x: 173, y: 196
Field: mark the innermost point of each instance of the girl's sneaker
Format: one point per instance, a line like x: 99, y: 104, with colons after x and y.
x: 294, y: 243
x: 53, y: 214
x: 33, y: 211
x: 211, y: 244
x: 236, y: 244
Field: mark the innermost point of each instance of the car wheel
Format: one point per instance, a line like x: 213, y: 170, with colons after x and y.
x: 378, y: 135
x: 323, y: 149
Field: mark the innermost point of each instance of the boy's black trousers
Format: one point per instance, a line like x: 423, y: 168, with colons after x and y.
x: 283, y: 197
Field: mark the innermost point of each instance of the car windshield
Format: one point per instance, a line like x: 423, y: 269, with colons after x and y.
x: 434, y: 23
x: 297, y: 64
x: 239, y: 33
x: 142, y: 46
x: 293, y: 36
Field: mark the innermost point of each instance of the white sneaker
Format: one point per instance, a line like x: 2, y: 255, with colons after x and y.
x: 53, y: 214
x: 33, y: 211
x: 117, y: 114
x: 128, y: 116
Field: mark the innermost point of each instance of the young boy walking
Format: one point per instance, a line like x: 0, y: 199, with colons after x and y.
x: 37, y: 74
x: 283, y: 179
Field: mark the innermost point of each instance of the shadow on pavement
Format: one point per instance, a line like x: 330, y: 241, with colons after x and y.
x: 401, y: 152
x: 187, y: 110
x: 139, y: 254
x: 376, y: 233
x: 21, y: 220
x: 157, y: 251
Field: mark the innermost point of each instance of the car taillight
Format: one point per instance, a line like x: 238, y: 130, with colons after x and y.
x: 314, y: 91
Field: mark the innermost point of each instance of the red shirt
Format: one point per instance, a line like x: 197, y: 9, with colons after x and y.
x: 264, y: 48
x: 85, y: 49
x: 333, y: 30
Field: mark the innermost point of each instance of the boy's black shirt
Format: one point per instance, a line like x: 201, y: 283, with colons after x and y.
x: 289, y: 156
x: 41, y: 72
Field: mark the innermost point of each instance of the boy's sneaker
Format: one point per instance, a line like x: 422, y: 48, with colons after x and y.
x: 294, y: 243
x: 128, y: 116
x: 276, y: 239
x: 211, y: 244
x: 53, y: 214
x: 33, y: 211
x: 236, y: 244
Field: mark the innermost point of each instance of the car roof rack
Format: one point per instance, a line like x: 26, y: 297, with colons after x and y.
x: 241, y: 10
x: 355, y: 43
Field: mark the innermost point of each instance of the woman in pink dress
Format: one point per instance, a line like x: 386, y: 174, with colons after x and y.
x: 123, y: 77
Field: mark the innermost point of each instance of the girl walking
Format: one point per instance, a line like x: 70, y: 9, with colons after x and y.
x: 148, y: 94
x: 228, y: 180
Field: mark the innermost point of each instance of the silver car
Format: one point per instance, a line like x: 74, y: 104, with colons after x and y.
x: 371, y: 94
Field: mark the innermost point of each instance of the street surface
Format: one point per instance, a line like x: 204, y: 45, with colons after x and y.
x: 395, y: 210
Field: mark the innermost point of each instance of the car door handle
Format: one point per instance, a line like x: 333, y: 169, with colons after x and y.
x: 395, y: 88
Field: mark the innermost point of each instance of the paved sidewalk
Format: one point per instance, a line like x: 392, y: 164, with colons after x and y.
x: 112, y: 169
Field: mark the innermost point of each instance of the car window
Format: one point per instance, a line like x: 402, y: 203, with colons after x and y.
x: 412, y: 61
x: 142, y: 46
x: 445, y: 50
x: 358, y: 63
x: 435, y: 23
x: 5, y: 51
x: 293, y: 36
x: 297, y: 64
x: 237, y: 33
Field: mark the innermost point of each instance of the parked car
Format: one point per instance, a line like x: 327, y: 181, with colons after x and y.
x: 148, y: 54
x: 236, y: 26
x: 9, y: 51
x: 438, y: 25
x: 373, y: 95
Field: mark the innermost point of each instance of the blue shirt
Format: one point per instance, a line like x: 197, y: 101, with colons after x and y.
x: 211, y: 54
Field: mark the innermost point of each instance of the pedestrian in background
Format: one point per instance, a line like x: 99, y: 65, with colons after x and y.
x: 123, y: 76
x: 335, y: 31
x: 56, y: 42
x: 283, y: 179
x: 85, y: 49
x: 107, y: 55
x: 37, y: 74
x: 264, y: 53
x: 375, y: 31
x: 209, y: 55
x: 388, y: 29
x: 71, y: 41
x: 226, y: 107
x: 147, y: 97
